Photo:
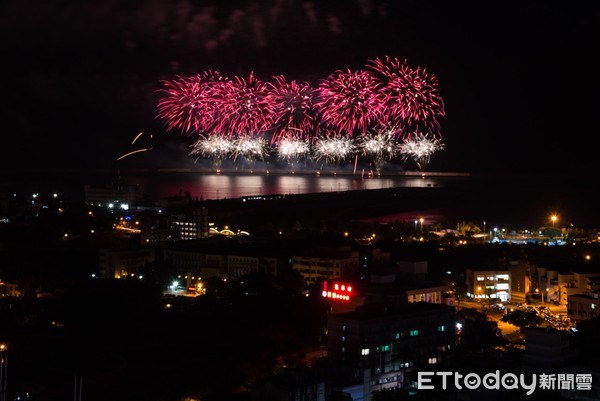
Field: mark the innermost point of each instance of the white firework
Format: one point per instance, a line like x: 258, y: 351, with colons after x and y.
x: 215, y: 146
x: 334, y: 150
x: 379, y: 146
x: 420, y: 148
x: 252, y: 148
x: 292, y: 148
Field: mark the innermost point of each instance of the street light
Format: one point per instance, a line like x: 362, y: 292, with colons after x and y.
x: 416, y: 222
x: 3, y: 370
x: 542, y: 293
x: 553, y: 218
x: 421, y: 220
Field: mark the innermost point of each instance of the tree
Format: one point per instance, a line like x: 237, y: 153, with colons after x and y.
x: 522, y: 318
x: 478, y: 334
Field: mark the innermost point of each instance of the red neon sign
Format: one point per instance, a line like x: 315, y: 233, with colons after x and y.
x: 337, y: 291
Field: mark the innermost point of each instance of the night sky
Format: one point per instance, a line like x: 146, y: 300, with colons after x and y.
x: 518, y: 79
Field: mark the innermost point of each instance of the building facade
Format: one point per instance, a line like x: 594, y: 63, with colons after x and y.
x: 483, y: 284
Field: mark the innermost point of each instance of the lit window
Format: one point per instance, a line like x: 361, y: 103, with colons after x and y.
x: 432, y: 361
x: 593, y: 306
x: 385, y: 348
x: 414, y: 333
x: 343, y: 349
x: 441, y: 328
x: 365, y: 351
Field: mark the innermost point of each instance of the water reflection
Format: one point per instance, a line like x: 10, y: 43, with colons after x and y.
x: 220, y: 186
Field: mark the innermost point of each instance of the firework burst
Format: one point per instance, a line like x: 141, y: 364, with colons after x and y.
x: 214, y: 146
x: 291, y: 106
x: 412, y: 95
x: 380, y: 147
x: 252, y: 148
x: 420, y: 148
x: 334, y: 149
x: 292, y: 148
x: 349, y: 101
x: 188, y: 104
x: 243, y: 106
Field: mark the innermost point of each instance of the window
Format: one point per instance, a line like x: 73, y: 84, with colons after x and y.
x: 365, y: 351
x: 397, y: 336
x: 343, y: 339
x: 343, y: 349
x: 414, y: 333
x: 432, y: 361
x: 593, y: 306
x: 385, y: 348
x: 441, y: 328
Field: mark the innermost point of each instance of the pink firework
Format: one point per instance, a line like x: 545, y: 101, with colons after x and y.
x: 349, y: 102
x: 292, y: 107
x: 187, y: 105
x: 242, y: 106
x: 412, y: 95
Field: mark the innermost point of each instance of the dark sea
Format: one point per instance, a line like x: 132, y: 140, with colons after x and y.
x: 523, y: 201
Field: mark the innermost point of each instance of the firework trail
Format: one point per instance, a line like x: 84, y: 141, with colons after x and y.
x: 420, y: 148
x: 138, y: 136
x: 243, y: 107
x: 412, y: 95
x: 349, y: 102
x: 291, y: 107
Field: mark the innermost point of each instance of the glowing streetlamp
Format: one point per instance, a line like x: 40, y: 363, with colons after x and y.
x: 553, y: 218
x: 416, y: 222
x: 3, y: 370
x: 421, y: 220
x: 537, y: 290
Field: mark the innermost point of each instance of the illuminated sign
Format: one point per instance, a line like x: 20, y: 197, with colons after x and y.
x: 337, y: 291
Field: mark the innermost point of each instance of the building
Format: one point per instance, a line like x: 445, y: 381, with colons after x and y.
x: 121, y: 263
x: 583, y: 306
x: 547, y: 350
x: 405, y: 282
x: 560, y: 280
x: 388, y: 343
x: 518, y: 270
x: 227, y: 257
x: 115, y: 196
x: 317, y: 264
x: 489, y: 284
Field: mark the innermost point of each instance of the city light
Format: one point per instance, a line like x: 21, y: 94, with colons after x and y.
x: 337, y: 291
